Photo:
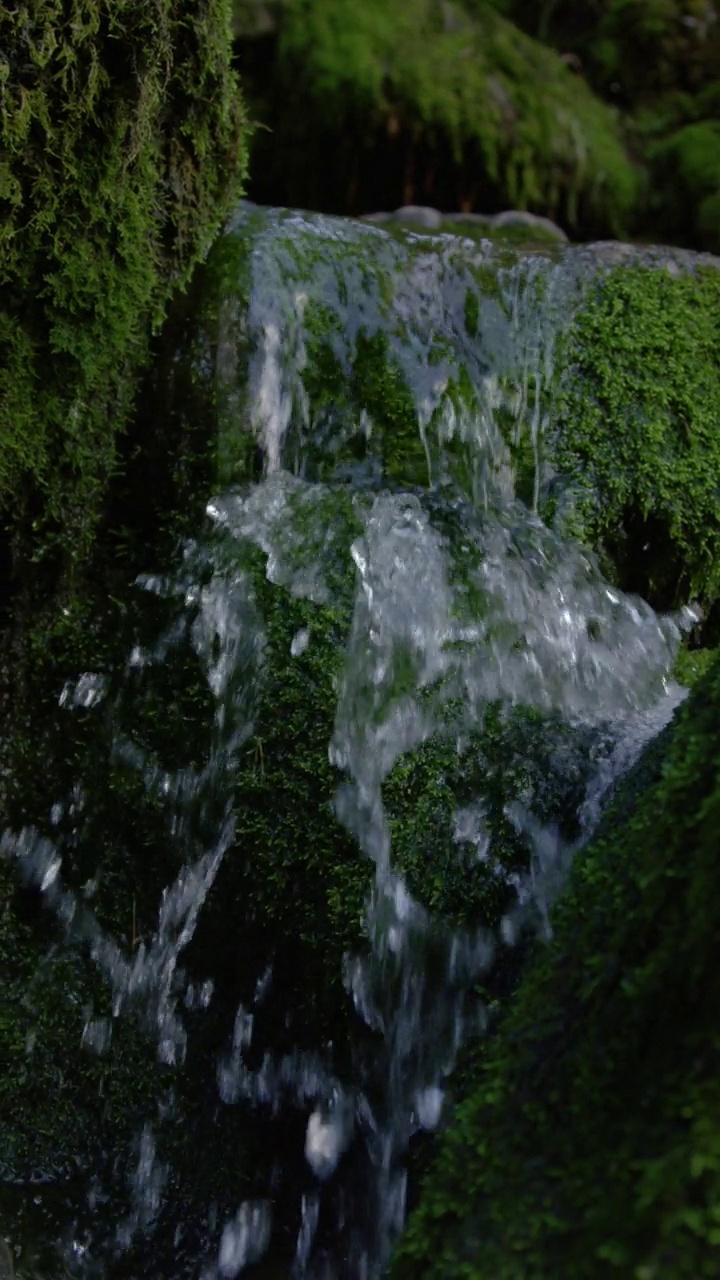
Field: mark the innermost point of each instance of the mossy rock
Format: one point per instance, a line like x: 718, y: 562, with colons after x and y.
x: 291, y: 894
x: 295, y: 866
x: 635, y: 425
x: 59, y: 1102
x: 588, y: 1144
x: 424, y: 103
x: 123, y: 141
x: 584, y: 380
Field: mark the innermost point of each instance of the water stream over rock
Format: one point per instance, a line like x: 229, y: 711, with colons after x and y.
x: 400, y: 679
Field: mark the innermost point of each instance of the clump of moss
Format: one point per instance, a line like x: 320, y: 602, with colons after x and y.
x: 636, y: 426
x: 589, y: 1144
x: 123, y: 143
x: 692, y: 664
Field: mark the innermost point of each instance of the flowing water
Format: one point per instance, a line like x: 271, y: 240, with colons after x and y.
x: 376, y: 580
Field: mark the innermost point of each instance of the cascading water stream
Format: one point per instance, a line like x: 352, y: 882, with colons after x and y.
x: 461, y: 599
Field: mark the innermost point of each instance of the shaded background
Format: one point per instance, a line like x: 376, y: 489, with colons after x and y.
x: 604, y: 116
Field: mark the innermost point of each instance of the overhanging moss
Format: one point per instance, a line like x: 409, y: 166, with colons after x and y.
x: 123, y: 142
x: 589, y: 1145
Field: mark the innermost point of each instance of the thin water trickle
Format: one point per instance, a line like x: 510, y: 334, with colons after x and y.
x: 455, y: 599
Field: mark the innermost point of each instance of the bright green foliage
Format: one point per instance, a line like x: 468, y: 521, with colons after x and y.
x: 691, y: 665
x: 636, y: 427
x: 590, y: 1145
x: 446, y: 101
x: 122, y: 138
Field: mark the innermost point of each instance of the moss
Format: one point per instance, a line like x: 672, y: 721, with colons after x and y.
x: 436, y: 101
x: 692, y: 664
x: 60, y: 1102
x: 593, y: 373
x: 589, y: 1144
x: 449, y: 804
x: 123, y: 145
x: 635, y: 422
x: 637, y: 51
x: 513, y: 234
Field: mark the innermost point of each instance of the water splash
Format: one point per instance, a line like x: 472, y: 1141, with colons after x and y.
x: 449, y: 607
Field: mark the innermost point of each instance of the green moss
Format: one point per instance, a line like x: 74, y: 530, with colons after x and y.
x: 122, y: 137
x: 513, y: 234
x: 639, y: 52
x: 589, y: 1145
x: 472, y: 313
x: 59, y: 1101
x: 635, y: 422
x: 692, y: 664
x: 468, y: 872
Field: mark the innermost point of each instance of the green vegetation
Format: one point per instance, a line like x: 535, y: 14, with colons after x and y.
x: 589, y: 1143
x: 635, y: 425
x: 59, y: 1101
x: 433, y: 100
x: 692, y: 664
x: 593, y: 114
x: 658, y: 61
x: 123, y: 144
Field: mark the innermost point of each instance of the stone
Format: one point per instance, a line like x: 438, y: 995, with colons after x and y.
x: 421, y: 215
x: 520, y: 218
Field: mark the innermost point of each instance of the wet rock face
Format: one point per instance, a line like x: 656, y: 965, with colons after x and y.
x: 293, y: 790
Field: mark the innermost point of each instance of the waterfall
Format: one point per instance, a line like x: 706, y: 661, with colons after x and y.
x: 401, y: 512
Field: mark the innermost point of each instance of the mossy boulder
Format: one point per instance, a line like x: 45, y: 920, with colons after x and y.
x: 290, y: 897
x: 123, y: 141
x: 635, y: 424
x: 588, y: 1144
x: 586, y: 381
x: 315, y: 890
x: 426, y: 103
